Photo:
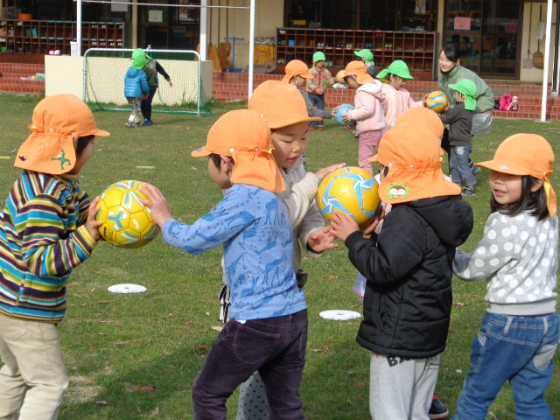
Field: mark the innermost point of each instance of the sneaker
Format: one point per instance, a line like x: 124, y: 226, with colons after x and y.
x: 129, y: 125
x: 320, y: 128
x: 476, y: 170
x: 311, y: 128
x: 147, y: 123
x: 438, y: 410
x: 469, y: 191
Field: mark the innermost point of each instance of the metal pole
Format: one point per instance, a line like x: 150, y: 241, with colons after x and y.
x: 556, y: 67
x: 252, y: 47
x: 203, y: 29
x: 79, y: 26
x: 546, y: 60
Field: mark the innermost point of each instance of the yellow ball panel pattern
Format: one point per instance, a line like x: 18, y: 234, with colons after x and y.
x: 126, y: 222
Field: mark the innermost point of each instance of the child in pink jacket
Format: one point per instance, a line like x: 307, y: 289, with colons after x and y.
x: 368, y: 111
x: 397, y: 98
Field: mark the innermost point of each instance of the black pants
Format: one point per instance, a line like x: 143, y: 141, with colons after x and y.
x: 146, y: 106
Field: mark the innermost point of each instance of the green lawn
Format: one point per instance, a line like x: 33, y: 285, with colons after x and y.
x: 136, y: 356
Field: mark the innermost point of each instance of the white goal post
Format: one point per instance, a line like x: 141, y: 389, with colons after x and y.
x: 105, y: 68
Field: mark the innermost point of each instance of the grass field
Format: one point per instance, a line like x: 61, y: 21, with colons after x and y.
x: 136, y: 356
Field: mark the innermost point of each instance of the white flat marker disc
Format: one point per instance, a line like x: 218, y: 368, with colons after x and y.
x: 126, y: 288
x: 339, y: 315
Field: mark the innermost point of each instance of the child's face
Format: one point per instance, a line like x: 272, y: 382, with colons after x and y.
x: 458, y: 97
x: 320, y: 64
x: 84, y: 157
x: 300, y: 81
x: 220, y: 175
x: 506, y: 189
x: 289, y: 144
x: 352, y: 83
x: 397, y: 82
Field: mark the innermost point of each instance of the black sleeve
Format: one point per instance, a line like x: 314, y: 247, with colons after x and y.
x: 450, y: 116
x: 400, y: 247
x: 161, y: 71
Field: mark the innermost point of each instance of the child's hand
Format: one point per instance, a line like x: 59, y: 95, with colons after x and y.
x: 321, y: 240
x: 170, y: 83
x: 424, y: 101
x: 92, y: 225
x: 346, y: 118
x: 342, y: 226
x: 321, y: 173
x: 157, y: 204
x: 333, y: 112
x: 319, y: 91
x: 375, y: 222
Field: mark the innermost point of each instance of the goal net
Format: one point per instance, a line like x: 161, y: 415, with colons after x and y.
x: 105, y: 68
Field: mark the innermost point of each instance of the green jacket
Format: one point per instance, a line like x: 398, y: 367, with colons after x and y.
x: 152, y: 69
x: 485, y: 96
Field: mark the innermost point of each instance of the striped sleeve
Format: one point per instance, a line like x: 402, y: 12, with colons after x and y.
x: 47, y: 247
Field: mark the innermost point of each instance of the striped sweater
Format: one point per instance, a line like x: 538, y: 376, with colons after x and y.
x: 42, y: 238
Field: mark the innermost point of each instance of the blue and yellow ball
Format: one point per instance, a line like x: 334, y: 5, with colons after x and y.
x: 126, y: 222
x: 437, y: 101
x: 350, y: 190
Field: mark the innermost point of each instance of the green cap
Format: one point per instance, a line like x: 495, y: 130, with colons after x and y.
x: 467, y: 88
x: 137, y: 52
x: 366, y: 54
x: 319, y: 56
x: 398, y: 68
x: 139, y: 62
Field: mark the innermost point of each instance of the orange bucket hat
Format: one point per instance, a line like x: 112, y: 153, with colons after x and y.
x: 423, y: 116
x: 245, y: 136
x: 526, y: 154
x: 413, y: 156
x: 280, y: 104
x: 296, y: 68
x: 56, y: 123
x: 358, y: 69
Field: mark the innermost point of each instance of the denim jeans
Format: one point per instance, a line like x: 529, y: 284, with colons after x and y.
x: 275, y: 347
x: 459, y: 165
x: 518, y: 349
x: 319, y: 102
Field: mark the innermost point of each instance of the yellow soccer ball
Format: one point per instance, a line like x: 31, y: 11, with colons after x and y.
x: 437, y: 101
x: 126, y: 222
x: 340, y: 77
x: 350, y: 190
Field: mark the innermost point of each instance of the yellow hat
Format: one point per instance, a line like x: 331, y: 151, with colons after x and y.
x: 280, y: 104
x: 526, y: 154
x: 296, y: 68
x: 413, y: 156
x: 245, y: 136
x: 57, y: 121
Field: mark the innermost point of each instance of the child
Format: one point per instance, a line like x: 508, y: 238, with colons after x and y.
x: 297, y: 75
x: 407, y: 304
x: 368, y: 111
x: 152, y: 68
x: 47, y: 228
x: 367, y: 57
x: 267, y: 329
x: 518, y: 258
x: 284, y: 110
x: 317, y: 86
x: 135, y: 87
x: 397, y: 98
x: 460, y: 138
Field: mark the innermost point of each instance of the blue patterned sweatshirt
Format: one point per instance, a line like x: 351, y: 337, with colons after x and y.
x: 42, y: 238
x: 253, y: 226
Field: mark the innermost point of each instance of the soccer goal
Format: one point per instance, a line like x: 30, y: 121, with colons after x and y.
x: 105, y: 68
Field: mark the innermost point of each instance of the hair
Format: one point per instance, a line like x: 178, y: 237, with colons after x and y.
x: 82, y: 144
x: 452, y: 52
x: 534, y: 201
x: 217, y: 159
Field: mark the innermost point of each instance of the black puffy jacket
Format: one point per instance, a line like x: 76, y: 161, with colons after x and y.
x: 407, y: 304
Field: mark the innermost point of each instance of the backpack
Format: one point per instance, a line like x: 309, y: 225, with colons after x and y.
x: 505, y: 102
